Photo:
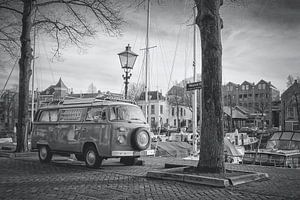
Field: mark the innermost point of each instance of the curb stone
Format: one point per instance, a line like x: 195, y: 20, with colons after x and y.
x: 174, y: 174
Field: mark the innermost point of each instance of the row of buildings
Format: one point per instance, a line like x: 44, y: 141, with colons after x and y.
x: 247, y: 104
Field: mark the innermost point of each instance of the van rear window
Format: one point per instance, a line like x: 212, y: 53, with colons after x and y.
x: 73, y: 114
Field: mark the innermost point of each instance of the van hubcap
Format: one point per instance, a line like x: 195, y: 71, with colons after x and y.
x: 43, y: 152
x: 91, y: 157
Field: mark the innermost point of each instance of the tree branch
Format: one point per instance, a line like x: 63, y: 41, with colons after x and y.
x: 12, y: 9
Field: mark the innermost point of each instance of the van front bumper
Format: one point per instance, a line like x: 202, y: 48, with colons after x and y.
x: 149, y: 152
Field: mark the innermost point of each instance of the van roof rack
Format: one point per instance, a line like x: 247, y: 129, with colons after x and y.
x: 111, y: 98
x: 94, y: 100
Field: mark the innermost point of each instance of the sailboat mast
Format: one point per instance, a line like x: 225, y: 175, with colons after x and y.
x: 195, y: 91
x: 147, y: 109
x: 32, y: 80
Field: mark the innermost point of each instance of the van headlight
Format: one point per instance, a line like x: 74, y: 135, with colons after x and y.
x: 121, y: 139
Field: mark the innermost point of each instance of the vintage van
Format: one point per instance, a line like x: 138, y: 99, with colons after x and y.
x: 93, y: 130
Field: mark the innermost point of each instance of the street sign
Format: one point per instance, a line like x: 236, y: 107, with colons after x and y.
x: 194, y: 86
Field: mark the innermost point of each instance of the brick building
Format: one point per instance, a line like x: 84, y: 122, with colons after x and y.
x: 256, y: 99
x: 290, y: 108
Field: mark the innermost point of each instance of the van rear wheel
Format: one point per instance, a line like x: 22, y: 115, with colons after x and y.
x: 45, y: 154
x: 91, y: 157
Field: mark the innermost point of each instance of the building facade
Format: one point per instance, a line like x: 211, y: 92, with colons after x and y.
x: 255, y: 98
x: 8, y: 113
x: 162, y: 113
x: 290, y: 108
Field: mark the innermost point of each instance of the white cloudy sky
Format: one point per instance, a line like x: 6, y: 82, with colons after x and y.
x: 261, y: 40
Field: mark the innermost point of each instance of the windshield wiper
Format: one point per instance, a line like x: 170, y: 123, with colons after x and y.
x: 137, y: 119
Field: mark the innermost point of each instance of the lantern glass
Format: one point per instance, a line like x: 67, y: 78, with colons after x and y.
x: 127, y: 58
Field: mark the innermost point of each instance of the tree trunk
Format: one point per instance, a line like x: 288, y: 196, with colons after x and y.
x: 25, y: 73
x: 212, y: 136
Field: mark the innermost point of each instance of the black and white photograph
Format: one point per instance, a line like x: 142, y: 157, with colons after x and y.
x: 149, y: 99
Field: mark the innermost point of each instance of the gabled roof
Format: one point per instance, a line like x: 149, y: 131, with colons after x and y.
x: 295, y: 88
x: 246, y: 83
x: 231, y: 83
x: 236, y: 114
x: 60, y: 84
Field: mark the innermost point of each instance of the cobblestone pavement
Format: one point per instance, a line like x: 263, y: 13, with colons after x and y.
x: 26, y: 178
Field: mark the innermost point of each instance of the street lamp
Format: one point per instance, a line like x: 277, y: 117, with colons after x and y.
x: 127, y: 60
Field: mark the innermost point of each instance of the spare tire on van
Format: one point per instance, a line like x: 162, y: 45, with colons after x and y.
x: 140, y: 139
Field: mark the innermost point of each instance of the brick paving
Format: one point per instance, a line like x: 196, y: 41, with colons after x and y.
x: 26, y: 178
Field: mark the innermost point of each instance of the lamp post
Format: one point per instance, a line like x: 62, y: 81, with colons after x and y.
x: 127, y: 60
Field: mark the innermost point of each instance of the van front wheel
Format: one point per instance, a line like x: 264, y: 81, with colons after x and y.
x: 45, y: 155
x: 91, y: 157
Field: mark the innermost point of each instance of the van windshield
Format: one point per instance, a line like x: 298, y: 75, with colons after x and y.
x: 126, y: 113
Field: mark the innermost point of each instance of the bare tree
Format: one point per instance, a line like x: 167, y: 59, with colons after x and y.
x: 212, y: 136
x: 135, y: 90
x: 291, y: 80
x: 92, y: 88
x: 66, y: 21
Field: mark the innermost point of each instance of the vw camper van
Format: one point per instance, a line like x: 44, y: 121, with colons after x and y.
x: 93, y: 130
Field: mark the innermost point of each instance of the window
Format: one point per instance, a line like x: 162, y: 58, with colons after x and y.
x: 256, y: 95
x: 286, y: 136
x: 174, y: 122
x: 181, y: 112
x: 184, y: 112
x: 48, y: 116
x: 263, y: 86
x: 243, y: 87
x: 173, y: 111
x: 152, y: 109
x: 259, y: 86
x: 290, y: 112
x: 73, y: 114
x: 44, y: 117
x: 249, y: 95
x: 96, y: 114
x: 126, y: 113
x: 245, y: 95
x: 240, y: 96
x: 53, y: 114
x: 247, y: 87
x: 161, y: 109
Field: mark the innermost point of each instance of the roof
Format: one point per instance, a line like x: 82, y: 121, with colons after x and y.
x: 51, y: 89
x: 153, y: 95
x: 60, y: 84
x: 85, y: 102
x: 292, y: 90
x: 236, y: 114
x: 246, y: 83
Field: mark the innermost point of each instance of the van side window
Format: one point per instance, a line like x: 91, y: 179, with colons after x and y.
x: 48, y: 116
x: 44, y: 117
x: 53, y: 114
x: 96, y: 114
x: 73, y: 114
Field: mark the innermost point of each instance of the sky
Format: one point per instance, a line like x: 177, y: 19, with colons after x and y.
x: 261, y: 40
